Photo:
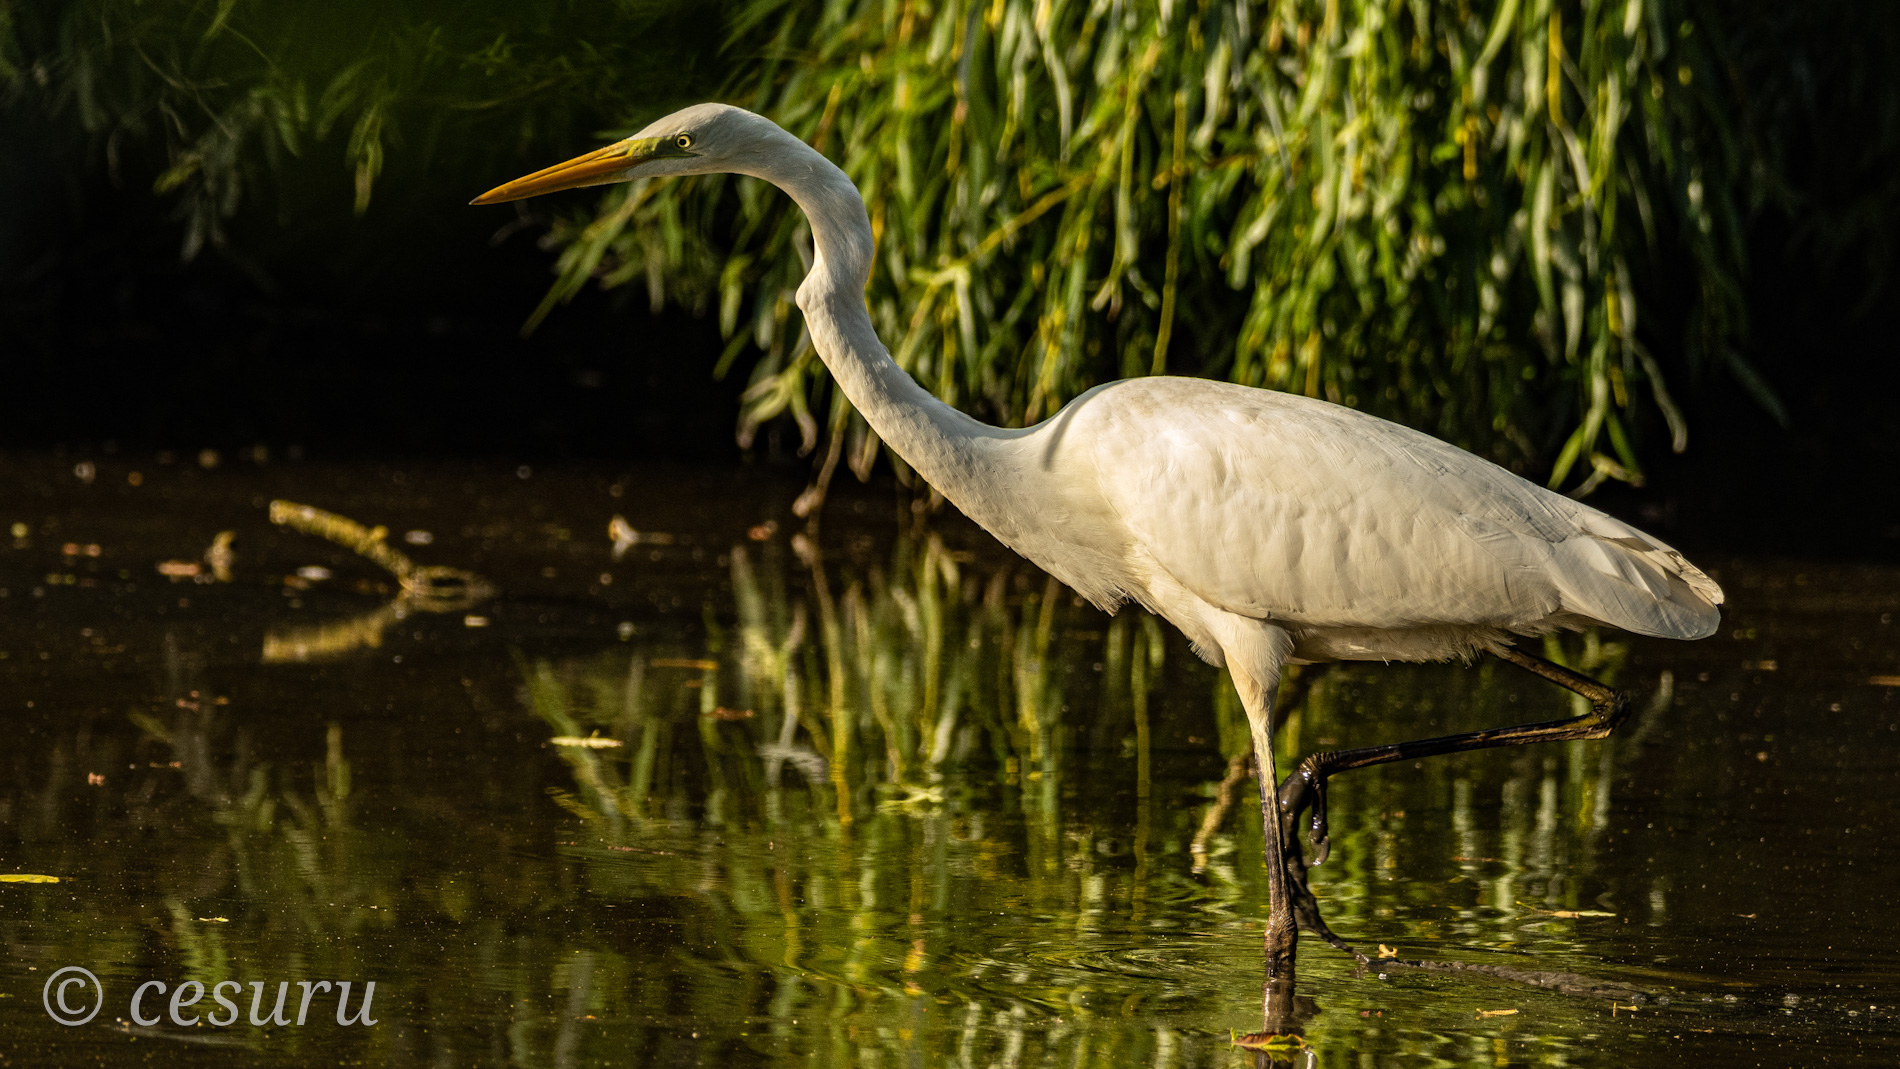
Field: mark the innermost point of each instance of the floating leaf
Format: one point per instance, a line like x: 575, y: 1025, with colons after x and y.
x: 590, y: 742
x: 26, y: 877
x: 1279, y: 1041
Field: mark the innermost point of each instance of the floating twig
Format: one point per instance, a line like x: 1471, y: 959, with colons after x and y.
x: 431, y: 582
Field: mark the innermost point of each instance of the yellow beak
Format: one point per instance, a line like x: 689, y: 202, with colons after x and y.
x: 597, y: 168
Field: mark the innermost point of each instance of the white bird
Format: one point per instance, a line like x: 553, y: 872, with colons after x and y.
x: 1272, y: 529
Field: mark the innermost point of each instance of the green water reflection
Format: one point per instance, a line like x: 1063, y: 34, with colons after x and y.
x: 882, y: 794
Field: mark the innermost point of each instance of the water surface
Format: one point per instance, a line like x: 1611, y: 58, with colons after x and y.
x: 882, y: 795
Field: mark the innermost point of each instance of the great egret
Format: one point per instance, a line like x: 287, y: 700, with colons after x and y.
x: 1272, y: 529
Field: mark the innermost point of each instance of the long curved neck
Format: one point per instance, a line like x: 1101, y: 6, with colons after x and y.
x: 955, y: 453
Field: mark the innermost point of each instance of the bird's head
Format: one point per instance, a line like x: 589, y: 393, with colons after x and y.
x: 702, y: 139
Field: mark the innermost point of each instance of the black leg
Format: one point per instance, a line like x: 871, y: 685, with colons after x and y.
x: 1305, y: 787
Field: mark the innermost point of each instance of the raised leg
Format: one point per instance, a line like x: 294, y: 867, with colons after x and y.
x: 1305, y: 788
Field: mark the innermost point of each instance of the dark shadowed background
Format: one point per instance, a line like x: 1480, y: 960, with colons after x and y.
x: 394, y: 330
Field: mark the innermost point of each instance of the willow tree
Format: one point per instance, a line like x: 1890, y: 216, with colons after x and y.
x: 1451, y: 214
x: 256, y: 105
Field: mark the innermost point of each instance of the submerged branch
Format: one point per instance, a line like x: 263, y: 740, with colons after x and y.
x: 426, y: 583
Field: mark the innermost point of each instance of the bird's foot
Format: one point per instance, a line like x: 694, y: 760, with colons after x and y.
x: 1305, y: 906
x: 1305, y: 789
x: 1300, y: 898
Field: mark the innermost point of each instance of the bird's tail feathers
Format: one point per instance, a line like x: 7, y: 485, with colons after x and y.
x: 1637, y: 583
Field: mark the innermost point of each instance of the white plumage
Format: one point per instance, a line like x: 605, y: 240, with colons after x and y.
x: 1365, y: 540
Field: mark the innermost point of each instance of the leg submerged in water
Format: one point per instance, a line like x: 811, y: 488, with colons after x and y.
x: 1609, y: 709
x: 1255, y: 652
x: 1282, y: 928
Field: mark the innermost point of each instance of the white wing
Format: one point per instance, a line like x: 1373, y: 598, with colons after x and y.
x: 1281, y: 507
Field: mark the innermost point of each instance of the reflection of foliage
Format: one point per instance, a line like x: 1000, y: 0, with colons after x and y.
x: 874, y: 688
x: 931, y: 675
x: 993, y: 906
x: 860, y: 905
x: 287, y: 835
x: 243, y: 91
x: 246, y: 870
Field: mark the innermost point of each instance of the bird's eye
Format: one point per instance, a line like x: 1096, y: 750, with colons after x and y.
x: 684, y: 141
